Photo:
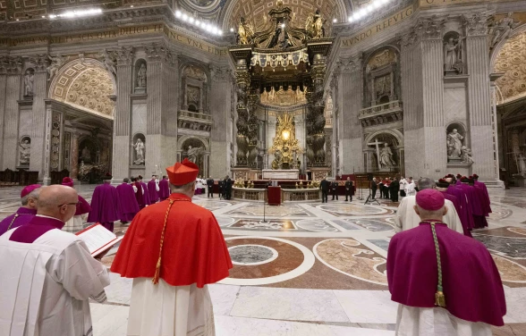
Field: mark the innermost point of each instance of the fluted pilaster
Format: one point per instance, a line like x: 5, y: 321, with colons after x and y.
x: 39, y: 125
x: 12, y: 94
x: 479, y: 95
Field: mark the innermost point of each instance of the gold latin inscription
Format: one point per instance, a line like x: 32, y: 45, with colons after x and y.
x: 378, y: 27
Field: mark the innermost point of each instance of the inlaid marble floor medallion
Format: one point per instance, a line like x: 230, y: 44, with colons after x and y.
x: 225, y: 221
x: 315, y: 225
x: 509, y: 270
x: 266, y: 260
x: 252, y: 255
x: 373, y: 225
x: 354, y: 210
x: 211, y: 205
x: 257, y: 209
x: 350, y: 257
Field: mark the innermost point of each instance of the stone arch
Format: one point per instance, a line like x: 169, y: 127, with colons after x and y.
x: 396, y: 134
x: 184, y: 138
x: 497, y: 49
x: 85, y: 84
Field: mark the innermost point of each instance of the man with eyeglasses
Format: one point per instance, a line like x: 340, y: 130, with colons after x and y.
x: 49, y: 274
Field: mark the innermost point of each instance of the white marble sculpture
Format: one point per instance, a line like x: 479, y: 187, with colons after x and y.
x: 386, y: 156
x: 54, y: 66
x: 141, y: 78
x: 139, y: 152
x: 109, y: 63
x: 454, y: 143
x: 502, y: 29
x: 467, y: 156
x: 194, y: 153
x: 25, y: 152
x: 453, y: 55
x: 29, y: 78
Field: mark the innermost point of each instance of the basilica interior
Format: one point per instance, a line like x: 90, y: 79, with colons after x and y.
x: 289, y: 90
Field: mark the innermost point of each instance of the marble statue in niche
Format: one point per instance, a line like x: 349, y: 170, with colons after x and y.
x: 502, y: 29
x: 25, y: 151
x: 29, y: 79
x: 194, y: 153
x: 139, y: 150
x: 453, y: 54
x: 386, y: 156
x: 454, y: 144
x: 140, y: 81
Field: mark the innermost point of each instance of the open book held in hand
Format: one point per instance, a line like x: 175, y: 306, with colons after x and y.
x: 98, y: 239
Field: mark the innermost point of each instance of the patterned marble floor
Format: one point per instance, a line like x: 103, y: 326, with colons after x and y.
x: 317, y: 269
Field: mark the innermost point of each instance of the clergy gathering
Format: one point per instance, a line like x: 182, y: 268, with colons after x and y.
x: 263, y: 168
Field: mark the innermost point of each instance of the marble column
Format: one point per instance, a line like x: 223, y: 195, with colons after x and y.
x: 11, y: 112
x: 162, y: 102
x: 74, y: 155
x: 39, y: 125
x: 122, y: 121
x: 349, y: 103
x: 479, y: 95
x: 3, y: 98
x: 220, y: 108
x: 422, y: 93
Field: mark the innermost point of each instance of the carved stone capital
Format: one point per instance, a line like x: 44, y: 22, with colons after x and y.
x: 11, y: 65
x: 476, y: 24
x: 39, y: 62
x: 409, y: 39
x: 125, y: 55
x: 349, y: 64
x: 159, y: 53
x: 430, y: 28
x: 221, y: 74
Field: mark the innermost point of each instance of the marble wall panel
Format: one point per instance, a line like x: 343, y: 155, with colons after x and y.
x: 455, y: 104
x: 11, y: 122
x: 139, y: 117
x: 25, y: 123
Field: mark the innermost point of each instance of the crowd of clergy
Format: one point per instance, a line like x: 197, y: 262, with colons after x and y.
x: 446, y: 282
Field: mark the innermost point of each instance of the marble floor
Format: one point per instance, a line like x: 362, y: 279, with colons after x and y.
x: 317, y: 269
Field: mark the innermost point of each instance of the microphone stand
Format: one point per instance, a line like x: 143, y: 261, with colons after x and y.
x: 264, y: 206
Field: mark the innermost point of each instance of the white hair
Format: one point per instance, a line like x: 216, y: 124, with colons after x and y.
x: 34, y: 195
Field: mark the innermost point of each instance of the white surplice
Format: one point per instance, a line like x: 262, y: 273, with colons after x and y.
x: 414, y: 321
x: 406, y: 217
x: 164, y: 310
x: 46, y: 286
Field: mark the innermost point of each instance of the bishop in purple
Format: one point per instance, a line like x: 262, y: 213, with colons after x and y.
x: 153, y: 189
x: 439, y: 286
x: 105, y: 205
x: 145, y: 192
x: 128, y: 205
x: 26, y: 212
x: 164, y: 188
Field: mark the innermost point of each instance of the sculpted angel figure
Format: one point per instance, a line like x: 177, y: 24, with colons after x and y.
x: 55, y: 64
x: 244, y: 32
x: 109, y: 62
x: 503, y: 29
x: 467, y: 155
x: 319, y: 32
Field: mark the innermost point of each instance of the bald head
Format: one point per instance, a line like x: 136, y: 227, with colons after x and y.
x: 57, y: 201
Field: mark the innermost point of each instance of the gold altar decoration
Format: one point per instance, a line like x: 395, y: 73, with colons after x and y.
x: 283, y: 97
x: 286, y: 146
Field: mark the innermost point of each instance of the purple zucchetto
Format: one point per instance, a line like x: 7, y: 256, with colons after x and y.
x: 430, y: 199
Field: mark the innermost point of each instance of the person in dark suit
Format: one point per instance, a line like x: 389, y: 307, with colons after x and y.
x: 221, y: 185
x: 348, y: 189
x: 374, y: 186
x: 324, y: 186
x: 393, y: 189
x: 228, y: 188
x: 210, y: 185
x: 334, y: 190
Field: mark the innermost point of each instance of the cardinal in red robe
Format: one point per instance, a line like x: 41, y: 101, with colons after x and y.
x: 172, y: 251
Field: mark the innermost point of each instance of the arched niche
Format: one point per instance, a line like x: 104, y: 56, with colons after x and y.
x: 196, y: 150
x: 24, y: 151
x: 85, y: 84
x: 29, y: 78
x: 454, y: 54
x: 194, y: 85
x: 140, y: 78
x: 384, y: 151
x: 456, y: 138
x: 382, y: 76
x: 138, y: 148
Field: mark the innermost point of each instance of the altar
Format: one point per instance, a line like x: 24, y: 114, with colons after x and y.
x: 281, y: 174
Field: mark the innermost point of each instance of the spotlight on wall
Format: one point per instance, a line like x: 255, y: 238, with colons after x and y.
x: 77, y: 13
x: 198, y: 23
x: 335, y: 20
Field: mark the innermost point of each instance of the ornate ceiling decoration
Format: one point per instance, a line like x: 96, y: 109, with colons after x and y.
x: 511, y: 61
x: 85, y: 85
x: 255, y: 12
x: 27, y: 9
